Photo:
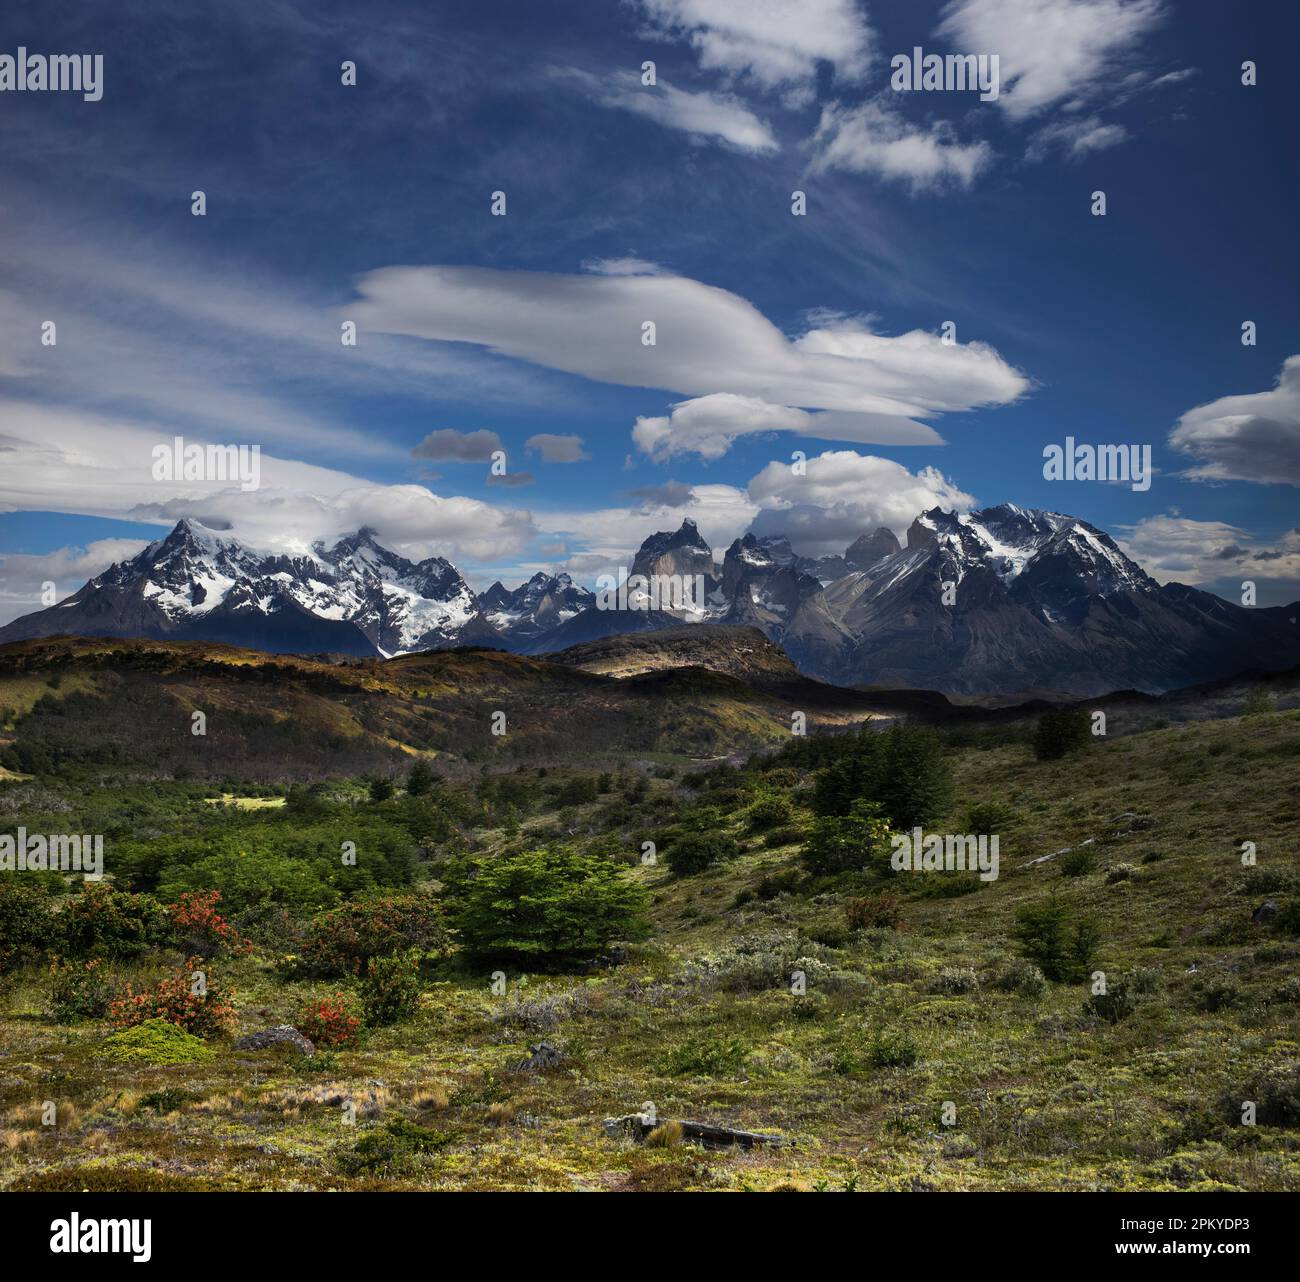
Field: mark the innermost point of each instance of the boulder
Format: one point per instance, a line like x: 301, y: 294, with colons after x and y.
x: 273, y: 1037
x: 1265, y: 912
x: 542, y: 1056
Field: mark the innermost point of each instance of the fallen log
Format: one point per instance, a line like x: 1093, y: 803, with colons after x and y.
x: 637, y: 1126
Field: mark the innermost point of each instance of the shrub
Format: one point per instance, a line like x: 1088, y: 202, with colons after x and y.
x: 1258, y: 702
x: 390, y: 991
x: 1061, y: 732
x: 1119, y: 872
x: 883, y: 1049
x: 105, y: 922
x: 329, y: 1021
x: 892, y: 1049
x: 1116, y: 1003
x: 392, y: 1149
x: 1078, y: 862
x: 200, y: 930
x: 847, y: 843
x: 706, y: 1057
x: 381, y: 789
x: 955, y: 980
x: 769, y: 812
x: 1275, y: 1092
x: 1061, y: 944
x: 79, y: 990
x: 870, y: 912
x: 1264, y: 881
x: 1022, y: 977
x: 990, y: 817
x: 345, y: 940
x: 693, y: 852
x: 1212, y: 995
x: 550, y: 906
x: 198, y: 1007
x: 155, y: 1041
x: 787, y: 835
x: 27, y: 927
x: 1287, y: 921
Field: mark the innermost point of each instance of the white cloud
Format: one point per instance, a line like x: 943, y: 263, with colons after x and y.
x: 60, y: 461
x: 842, y: 494
x: 702, y: 115
x: 1212, y: 554
x: 775, y: 44
x: 1252, y: 437
x: 1051, y: 51
x: 147, y: 332
x: 23, y: 576
x: 873, y: 138
x: 707, y: 341
x: 707, y: 426
x: 1076, y: 138
x: 609, y: 537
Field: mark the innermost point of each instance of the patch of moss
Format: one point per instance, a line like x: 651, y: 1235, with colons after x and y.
x: 155, y: 1042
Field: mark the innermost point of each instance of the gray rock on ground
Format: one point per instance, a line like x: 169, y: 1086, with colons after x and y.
x: 274, y: 1036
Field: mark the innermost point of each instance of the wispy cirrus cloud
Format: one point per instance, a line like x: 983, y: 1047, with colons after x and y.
x: 771, y: 46
x: 718, y: 117
x: 875, y: 138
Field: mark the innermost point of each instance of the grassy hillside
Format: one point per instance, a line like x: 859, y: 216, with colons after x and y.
x: 131, y: 703
x: 924, y: 1054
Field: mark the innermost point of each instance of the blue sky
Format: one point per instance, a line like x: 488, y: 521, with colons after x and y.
x: 670, y: 203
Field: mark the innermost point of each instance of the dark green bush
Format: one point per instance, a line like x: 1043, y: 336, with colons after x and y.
x: 546, y: 907
x: 390, y: 991
x: 1062, y: 731
x: 1060, y: 943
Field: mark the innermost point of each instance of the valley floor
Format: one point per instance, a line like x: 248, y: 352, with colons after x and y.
x: 910, y: 1063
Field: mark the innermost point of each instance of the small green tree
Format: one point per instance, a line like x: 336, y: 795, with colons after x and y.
x: 847, y: 843
x: 1258, y: 702
x: 1061, y: 732
x: 381, y: 789
x: 1059, y: 942
x: 420, y: 780
x: 545, y: 908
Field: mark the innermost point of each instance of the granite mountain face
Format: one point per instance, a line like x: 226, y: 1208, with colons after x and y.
x: 1000, y: 601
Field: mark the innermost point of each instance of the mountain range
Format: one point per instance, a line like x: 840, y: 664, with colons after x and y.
x: 1004, y: 600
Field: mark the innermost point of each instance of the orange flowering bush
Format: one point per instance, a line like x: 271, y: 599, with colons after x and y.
x: 188, y: 999
x: 329, y: 1021
x: 200, y: 929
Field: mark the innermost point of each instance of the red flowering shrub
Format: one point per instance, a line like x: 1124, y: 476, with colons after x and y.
x: 344, y: 940
x: 189, y: 999
x: 869, y: 911
x: 329, y: 1021
x: 202, y: 931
